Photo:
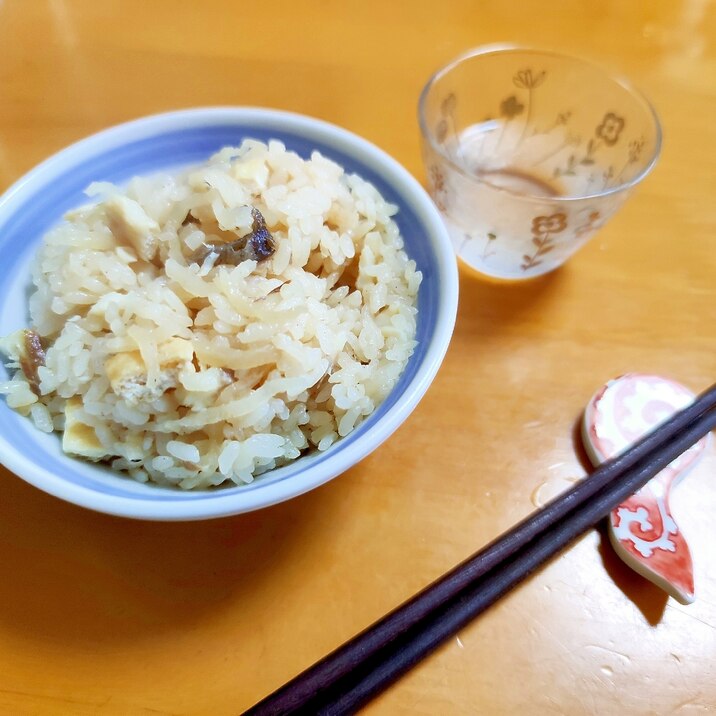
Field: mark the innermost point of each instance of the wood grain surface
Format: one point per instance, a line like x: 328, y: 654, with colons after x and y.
x: 100, y: 615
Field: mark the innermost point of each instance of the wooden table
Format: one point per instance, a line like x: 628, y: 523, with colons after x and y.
x: 109, y: 616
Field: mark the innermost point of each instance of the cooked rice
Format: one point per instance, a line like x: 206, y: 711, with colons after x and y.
x: 196, y: 375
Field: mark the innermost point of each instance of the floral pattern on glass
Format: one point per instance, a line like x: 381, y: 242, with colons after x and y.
x: 511, y: 107
x: 543, y: 230
x: 526, y: 79
x: 590, y: 223
x: 487, y: 249
x: 552, y: 224
x: 447, y: 124
x: 438, y: 190
x: 610, y: 128
x: 607, y: 131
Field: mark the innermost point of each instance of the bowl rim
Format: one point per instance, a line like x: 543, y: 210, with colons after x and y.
x: 236, y: 502
x: 500, y: 48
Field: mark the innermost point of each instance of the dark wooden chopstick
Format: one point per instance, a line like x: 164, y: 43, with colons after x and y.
x: 380, y: 654
x: 377, y: 673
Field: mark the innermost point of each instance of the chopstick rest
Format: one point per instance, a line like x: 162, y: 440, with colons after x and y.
x: 642, y: 529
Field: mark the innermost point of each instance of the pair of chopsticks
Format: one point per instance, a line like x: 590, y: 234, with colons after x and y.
x: 367, y: 664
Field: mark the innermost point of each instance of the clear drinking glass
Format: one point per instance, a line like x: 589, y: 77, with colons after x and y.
x: 528, y: 153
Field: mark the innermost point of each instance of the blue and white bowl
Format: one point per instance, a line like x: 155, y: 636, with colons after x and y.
x: 40, y: 198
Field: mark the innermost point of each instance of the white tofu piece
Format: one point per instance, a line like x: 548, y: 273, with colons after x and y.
x: 253, y: 170
x: 130, y: 224
x: 78, y: 438
x: 81, y: 439
x: 127, y: 372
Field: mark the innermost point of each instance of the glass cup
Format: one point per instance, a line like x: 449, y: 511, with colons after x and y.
x: 529, y: 153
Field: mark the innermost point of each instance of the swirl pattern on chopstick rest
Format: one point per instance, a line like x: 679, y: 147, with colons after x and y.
x: 642, y: 529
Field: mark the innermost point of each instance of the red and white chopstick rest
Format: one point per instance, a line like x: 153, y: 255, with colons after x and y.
x: 642, y: 530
